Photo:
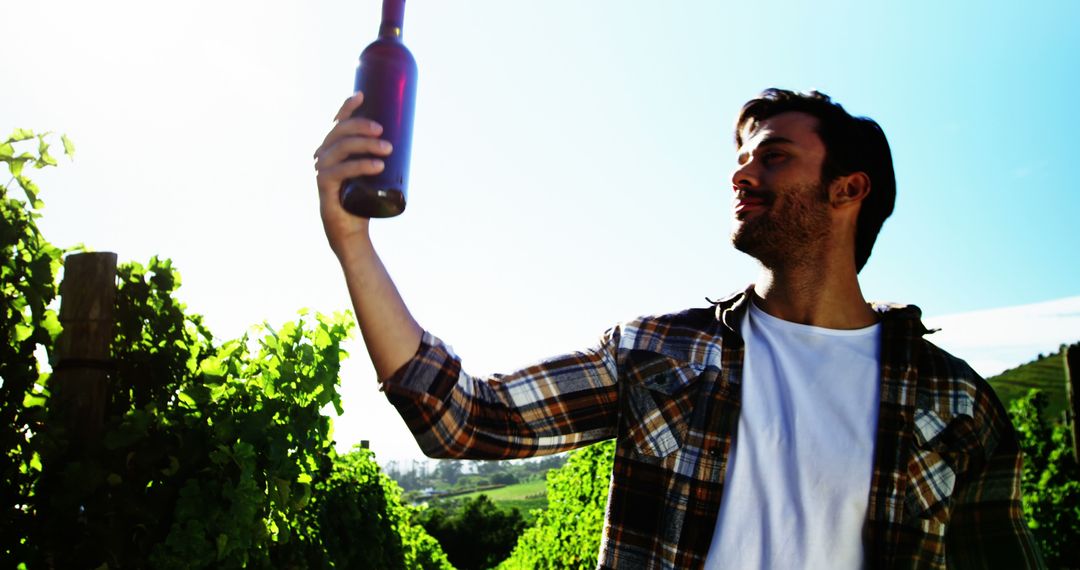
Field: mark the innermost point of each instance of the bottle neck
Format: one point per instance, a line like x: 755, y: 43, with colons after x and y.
x: 393, y: 19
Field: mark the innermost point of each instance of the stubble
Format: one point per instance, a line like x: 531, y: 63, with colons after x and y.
x: 790, y: 231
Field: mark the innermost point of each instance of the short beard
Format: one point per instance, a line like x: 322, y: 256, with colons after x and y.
x: 788, y: 235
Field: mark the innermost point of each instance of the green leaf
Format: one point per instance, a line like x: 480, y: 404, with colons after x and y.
x: 218, y: 389
x: 46, y: 159
x: 212, y: 367
x: 16, y: 166
x: 6, y: 151
x: 23, y: 332
x: 300, y: 500
x: 114, y: 479
x: 186, y: 399
x: 33, y: 401
x: 199, y: 394
x: 268, y: 385
x: 69, y: 147
x: 20, y: 135
x: 29, y: 187
x: 51, y: 324
x: 174, y: 466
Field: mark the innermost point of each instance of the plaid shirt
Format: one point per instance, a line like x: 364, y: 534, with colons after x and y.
x: 946, y: 479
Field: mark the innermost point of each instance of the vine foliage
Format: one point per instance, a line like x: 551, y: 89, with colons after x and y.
x: 1051, y: 481
x: 214, y: 454
x: 28, y: 268
x: 476, y: 533
x: 567, y: 534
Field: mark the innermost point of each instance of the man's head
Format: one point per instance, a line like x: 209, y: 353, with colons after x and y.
x: 800, y: 154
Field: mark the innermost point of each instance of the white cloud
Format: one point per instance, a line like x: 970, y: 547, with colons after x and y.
x: 994, y: 340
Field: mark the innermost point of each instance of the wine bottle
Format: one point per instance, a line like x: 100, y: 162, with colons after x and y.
x: 387, y: 76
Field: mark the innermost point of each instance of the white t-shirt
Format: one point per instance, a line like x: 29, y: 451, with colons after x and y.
x: 798, y: 476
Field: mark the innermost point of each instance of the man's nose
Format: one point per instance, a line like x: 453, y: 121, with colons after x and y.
x: 744, y: 176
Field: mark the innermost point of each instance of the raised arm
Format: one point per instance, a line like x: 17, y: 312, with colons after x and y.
x: 555, y: 405
x: 390, y: 332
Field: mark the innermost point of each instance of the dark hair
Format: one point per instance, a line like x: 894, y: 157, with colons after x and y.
x: 852, y: 144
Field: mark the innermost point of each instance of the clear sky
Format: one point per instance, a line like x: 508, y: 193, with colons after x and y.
x: 571, y: 158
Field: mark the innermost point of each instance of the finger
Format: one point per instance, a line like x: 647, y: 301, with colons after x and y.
x: 344, y: 148
x: 351, y: 127
x: 350, y: 105
x: 329, y: 180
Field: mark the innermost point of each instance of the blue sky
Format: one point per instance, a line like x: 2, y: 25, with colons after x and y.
x: 571, y: 159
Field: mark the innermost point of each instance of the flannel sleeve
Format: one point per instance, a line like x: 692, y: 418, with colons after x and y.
x: 557, y: 404
x: 987, y: 529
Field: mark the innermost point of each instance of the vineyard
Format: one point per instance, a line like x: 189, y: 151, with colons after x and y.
x: 148, y: 442
x: 152, y: 444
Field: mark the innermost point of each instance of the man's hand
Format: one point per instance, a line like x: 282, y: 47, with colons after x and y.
x: 348, y: 137
x: 390, y: 332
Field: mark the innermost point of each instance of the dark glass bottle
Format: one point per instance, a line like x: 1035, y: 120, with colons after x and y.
x: 387, y: 76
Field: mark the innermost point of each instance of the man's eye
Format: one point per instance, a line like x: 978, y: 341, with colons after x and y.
x: 771, y: 157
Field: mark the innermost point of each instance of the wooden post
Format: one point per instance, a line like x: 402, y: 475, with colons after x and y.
x: 80, y: 377
x: 1072, y: 376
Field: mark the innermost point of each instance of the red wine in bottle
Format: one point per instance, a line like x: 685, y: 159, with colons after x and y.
x: 387, y: 76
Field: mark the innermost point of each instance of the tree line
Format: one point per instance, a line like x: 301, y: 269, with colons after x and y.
x: 461, y: 475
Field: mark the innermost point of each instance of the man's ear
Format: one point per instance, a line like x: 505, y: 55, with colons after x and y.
x: 849, y: 189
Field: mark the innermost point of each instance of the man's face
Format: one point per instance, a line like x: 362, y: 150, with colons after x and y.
x: 781, y: 205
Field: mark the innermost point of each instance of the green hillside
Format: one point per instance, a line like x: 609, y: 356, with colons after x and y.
x: 1046, y: 373
x: 525, y: 496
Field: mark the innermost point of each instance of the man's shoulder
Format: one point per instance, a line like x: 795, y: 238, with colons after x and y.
x: 694, y: 319
x: 692, y: 336
x: 947, y: 365
x: 950, y: 396
x: 947, y: 384
x: 904, y: 323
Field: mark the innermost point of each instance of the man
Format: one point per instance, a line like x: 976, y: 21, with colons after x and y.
x: 791, y: 425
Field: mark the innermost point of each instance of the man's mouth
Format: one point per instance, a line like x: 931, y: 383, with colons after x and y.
x: 746, y: 202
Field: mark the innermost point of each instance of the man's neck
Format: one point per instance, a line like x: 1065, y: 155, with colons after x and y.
x: 823, y: 293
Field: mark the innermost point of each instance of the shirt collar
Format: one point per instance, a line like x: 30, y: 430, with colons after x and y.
x: 729, y: 312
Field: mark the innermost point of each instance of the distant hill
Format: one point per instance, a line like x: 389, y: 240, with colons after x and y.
x: 1046, y: 373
